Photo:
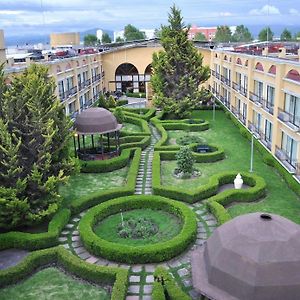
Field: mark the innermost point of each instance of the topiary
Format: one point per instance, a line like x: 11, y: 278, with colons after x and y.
x: 185, y: 160
x: 111, y: 102
x: 189, y: 139
x: 102, y: 101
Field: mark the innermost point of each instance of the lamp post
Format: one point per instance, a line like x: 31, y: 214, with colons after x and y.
x: 140, y: 103
x: 214, y: 110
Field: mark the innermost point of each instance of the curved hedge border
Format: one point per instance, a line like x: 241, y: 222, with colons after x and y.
x: 138, y: 254
x: 256, y: 191
x: 165, y: 287
x: 162, y: 126
x: 72, y: 264
x: 108, y: 165
x: 135, y: 141
x: 148, y: 113
x: 98, y: 197
x: 139, y: 122
x: 33, y: 241
x: 169, y: 153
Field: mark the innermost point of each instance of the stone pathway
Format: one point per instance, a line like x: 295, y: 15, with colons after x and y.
x: 141, y: 275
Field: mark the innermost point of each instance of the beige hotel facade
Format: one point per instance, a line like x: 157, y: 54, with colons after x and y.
x: 262, y: 92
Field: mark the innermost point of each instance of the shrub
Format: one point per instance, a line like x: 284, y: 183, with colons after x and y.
x: 138, y: 254
x: 111, y: 102
x: 122, y: 102
x: 102, y: 101
x: 136, y: 95
x: 219, y: 211
x: 185, y: 160
x: 189, y: 139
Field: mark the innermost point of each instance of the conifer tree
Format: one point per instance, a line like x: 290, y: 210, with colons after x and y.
x: 34, y: 156
x: 178, y: 71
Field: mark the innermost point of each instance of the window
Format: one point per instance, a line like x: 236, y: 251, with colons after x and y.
x: 289, y: 146
x: 258, y: 88
x: 61, y: 90
x: 292, y: 107
x: 270, y: 96
x: 239, y: 78
x: 268, y: 131
x: 244, y: 113
x: 257, y: 119
x: 70, y: 83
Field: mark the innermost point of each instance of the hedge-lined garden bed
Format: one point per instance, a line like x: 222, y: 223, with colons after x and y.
x: 72, y: 264
x: 138, y: 254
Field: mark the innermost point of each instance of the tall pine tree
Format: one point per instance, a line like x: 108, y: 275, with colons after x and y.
x: 178, y: 71
x: 34, y: 156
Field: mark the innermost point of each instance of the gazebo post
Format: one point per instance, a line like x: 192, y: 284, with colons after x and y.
x: 93, y: 145
x: 83, y: 141
x: 78, y: 140
x: 102, y: 149
x: 108, y: 142
x: 74, y: 140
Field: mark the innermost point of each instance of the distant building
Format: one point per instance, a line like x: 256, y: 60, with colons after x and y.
x: 2, y: 47
x: 209, y: 32
x: 99, y: 34
x: 149, y: 33
x: 118, y: 34
x: 66, y: 38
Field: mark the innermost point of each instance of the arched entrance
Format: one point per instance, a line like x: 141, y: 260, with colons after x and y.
x: 127, y: 78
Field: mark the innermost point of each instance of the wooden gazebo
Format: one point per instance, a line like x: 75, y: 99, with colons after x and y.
x: 97, y: 123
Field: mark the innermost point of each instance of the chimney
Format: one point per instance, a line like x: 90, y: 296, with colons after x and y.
x: 282, y: 52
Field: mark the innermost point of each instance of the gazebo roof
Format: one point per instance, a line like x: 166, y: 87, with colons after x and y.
x: 96, y: 120
x: 254, y: 256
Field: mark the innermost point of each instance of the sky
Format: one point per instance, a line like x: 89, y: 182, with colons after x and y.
x: 44, y: 16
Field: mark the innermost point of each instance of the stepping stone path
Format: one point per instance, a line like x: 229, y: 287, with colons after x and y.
x: 141, y: 276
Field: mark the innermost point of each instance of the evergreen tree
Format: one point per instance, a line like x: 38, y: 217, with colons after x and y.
x: 102, y: 101
x: 131, y: 33
x: 111, y: 102
x: 34, y: 156
x: 185, y: 160
x: 242, y: 34
x: 223, y: 34
x: 119, y: 40
x: 266, y: 34
x: 178, y: 70
x: 105, y: 38
x: 286, y: 35
x: 90, y: 40
x: 200, y: 37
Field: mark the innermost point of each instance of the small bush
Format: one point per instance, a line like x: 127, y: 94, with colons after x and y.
x: 111, y: 102
x: 185, y: 160
x: 119, y: 114
x: 102, y: 101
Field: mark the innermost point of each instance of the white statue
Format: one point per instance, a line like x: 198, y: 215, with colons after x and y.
x: 238, y: 182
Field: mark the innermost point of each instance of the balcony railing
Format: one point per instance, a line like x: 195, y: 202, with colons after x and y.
x: 237, y: 87
x: 291, y: 164
x: 225, y: 80
x: 216, y: 74
x: 255, y: 129
x: 64, y: 95
x: 87, y: 82
x: 96, y: 77
x: 289, y: 119
x: 265, y: 140
x: 257, y: 99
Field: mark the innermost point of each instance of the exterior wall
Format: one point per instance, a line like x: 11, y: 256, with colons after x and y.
x: 63, y: 39
x: 247, y: 92
x: 2, y: 48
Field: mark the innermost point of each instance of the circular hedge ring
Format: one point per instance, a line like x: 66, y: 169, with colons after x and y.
x: 157, y: 252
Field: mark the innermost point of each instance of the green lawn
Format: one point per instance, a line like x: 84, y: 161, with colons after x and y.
x: 85, y: 183
x: 169, y: 226
x: 53, y: 284
x: 280, y: 199
x: 128, y: 127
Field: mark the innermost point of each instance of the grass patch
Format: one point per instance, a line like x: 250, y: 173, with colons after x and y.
x: 168, y: 226
x: 279, y: 200
x: 85, y: 183
x: 129, y: 127
x: 51, y: 283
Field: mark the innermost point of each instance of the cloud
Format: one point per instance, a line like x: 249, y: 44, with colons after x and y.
x: 294, y: 12
x: 225, y: 14
x: 265, y: 10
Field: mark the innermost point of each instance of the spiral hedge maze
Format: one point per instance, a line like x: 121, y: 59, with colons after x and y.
x: 141, y: 271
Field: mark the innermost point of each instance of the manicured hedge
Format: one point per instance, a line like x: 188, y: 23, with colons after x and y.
x: 72, y: 264
x: 205, y: 191
x: 121, y: 102
x: 165, y: 287
x: 139, y: 122
x: 219, y: 211
x: 95, y: 198
x: 138, y: 254
x: 135, y: 141
x: 147, y: 113
x: 107, y: 165
x: 136, y: 95
x: 267, y: 156
x: 33, y: 241
x: 169, y: 153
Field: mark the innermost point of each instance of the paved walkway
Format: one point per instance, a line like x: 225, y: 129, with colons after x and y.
x: 141, y: 275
